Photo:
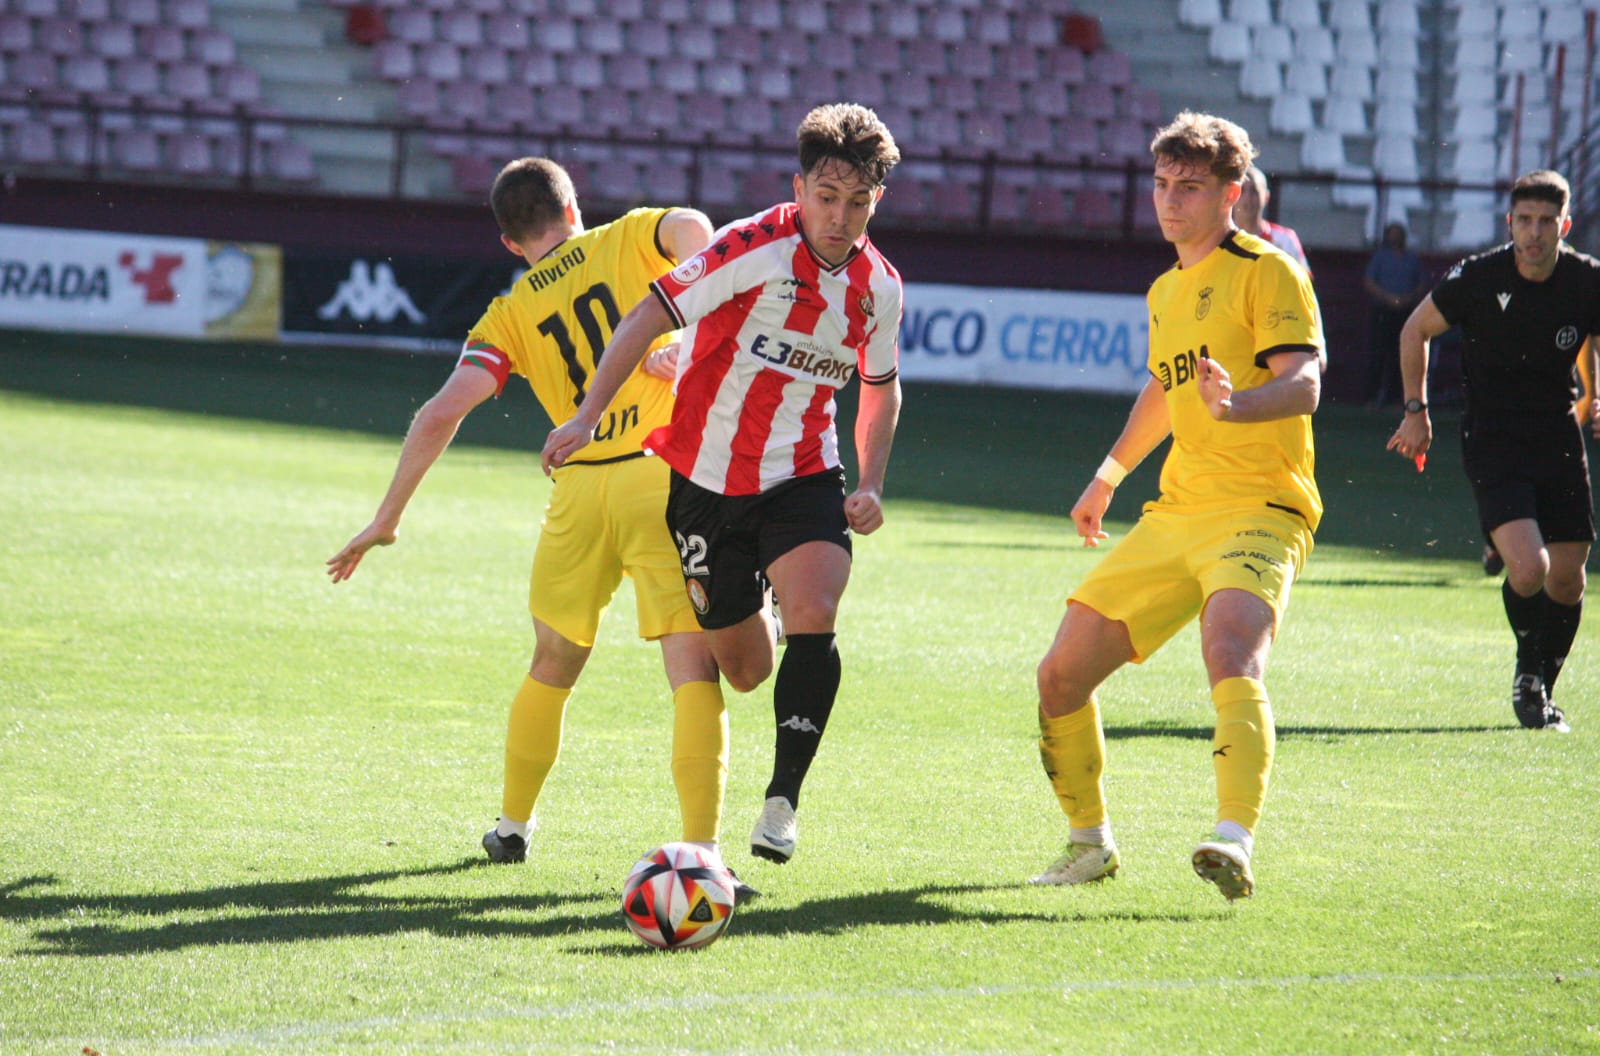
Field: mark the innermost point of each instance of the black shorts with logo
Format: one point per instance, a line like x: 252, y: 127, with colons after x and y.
x: 726, y: 542
x: 1530, y: 470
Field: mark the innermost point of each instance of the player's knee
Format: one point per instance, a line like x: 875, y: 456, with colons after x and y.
x: 1062, y: 689
x: 815, y: 614
x: 1528, y: 577
x: 745, y: 673
x: 1565, y: 586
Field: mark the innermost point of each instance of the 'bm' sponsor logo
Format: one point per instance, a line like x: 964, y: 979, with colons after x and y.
x: 1181, y: 370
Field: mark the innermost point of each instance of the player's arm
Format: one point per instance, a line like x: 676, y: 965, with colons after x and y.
x: 633, y: 337
x: 681, y: 234
x: 1425, y: 323
x: 877, y: 415
x: 431, y: 431
x: 1294, y: 389
x: 1148, y: 424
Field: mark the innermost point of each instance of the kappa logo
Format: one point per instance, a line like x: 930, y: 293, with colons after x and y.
x: 371, y: 293
x: 156, y: 278
x: 1504, y: 299
x: 1202, y: 307
x: 800, y: 724
x: 1567, y: 338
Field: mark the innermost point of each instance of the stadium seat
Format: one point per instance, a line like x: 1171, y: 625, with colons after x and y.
x: 1065, y: 66
x: 1345, y: 114
x: 1096, y: 100
x: 1322, y: 151
x: 1309, y: 79
x: 59, y: 37
x: 461, y: 27
x: 1199, y: 14
x: 239, y: 86
x: 465, y: 102
x: 489, y: 64
x: 1291, y: 114
x: 439, y: 61
x: 1314, y: 44
x: 1394, y: 156
x: 1272, y: 42
x: 418, y: 99
x: 138, y: 12
x: 290, y: 162
x: 1250, y: 13
x: 412, y: 25
x: 511, y: 105
x: 1260, y: 78
x: 137, y: 149
x: 1399, y: 16
x: 16, y: 33
x: 1397, y: 84
x: 1082, y: 32
x: 165, y: 44
x: 189, y: 14
x: 535, y: 68
x: 583, y: 69
x: 214, y: 47
x: 191, y: 154
x: 557, y: 33
x: 508, y: 30
x: 902, y: 22
x: 87, y: 10
x: 34, y: 144
x: 473, y: 174
x: 561, y: 106
x: 1351, y: 82
x: 1229, y: 42
x: 187, y: 82
x: 114, y: 40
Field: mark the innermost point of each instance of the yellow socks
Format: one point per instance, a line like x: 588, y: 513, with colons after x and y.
x: 700, y: 758
x: 533, y: 741
x: 1241, y: 751
x: 1073, y: 751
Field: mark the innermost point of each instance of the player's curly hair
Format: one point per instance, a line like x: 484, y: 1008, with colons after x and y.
x: 850, y: 133
x: 530, y: 196
x: 1542, y: 185
x: 1214, y: 143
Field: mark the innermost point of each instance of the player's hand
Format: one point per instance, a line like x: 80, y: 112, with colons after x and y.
x: 342, y: 566
x: 1414, y: 436
x: 563, y: 442
x: 1216, y: 387
x: 1090, y: 510
x: 662, y: 363
x: 863, y: 508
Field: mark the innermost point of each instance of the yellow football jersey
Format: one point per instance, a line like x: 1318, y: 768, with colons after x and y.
x: 554, y: 324
x: 1244, y: 302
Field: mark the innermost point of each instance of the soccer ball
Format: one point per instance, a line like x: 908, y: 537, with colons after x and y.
x: 678, y: 897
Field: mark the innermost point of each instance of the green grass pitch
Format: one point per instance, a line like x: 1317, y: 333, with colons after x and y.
x: 239, y: 807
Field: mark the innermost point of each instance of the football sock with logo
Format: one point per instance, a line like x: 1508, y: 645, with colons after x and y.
x: 1559, y: 628
x: 802, y: 700
x: 1072, y: 749
x: 533, y: 742
x: 1241, y: 749
x: 1526, y: 616
x: 700, y: 758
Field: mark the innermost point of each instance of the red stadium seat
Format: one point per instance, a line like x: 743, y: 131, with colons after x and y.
x: 1082, y: 32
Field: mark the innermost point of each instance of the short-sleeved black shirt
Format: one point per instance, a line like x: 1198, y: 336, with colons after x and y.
x: 1521, y: 337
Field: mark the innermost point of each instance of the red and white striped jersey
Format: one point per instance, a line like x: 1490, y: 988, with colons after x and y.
x: 772, y: 332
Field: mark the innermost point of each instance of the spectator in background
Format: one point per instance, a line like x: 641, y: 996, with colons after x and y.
x: 1249, y: 212
x: 1395, y: 281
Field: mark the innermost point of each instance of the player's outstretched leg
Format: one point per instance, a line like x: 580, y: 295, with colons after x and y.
x: 533, y: 744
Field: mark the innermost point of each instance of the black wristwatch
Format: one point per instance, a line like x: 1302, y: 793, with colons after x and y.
x: 1414, y: 405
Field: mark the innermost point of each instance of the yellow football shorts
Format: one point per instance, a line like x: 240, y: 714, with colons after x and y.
x: 605, y: 521
x: 1158, y: 578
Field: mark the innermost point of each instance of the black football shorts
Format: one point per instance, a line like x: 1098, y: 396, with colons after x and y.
x: 726, y: 542
x: 1522, y: 472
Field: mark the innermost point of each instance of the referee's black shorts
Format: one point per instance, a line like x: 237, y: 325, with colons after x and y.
x: 1530, y: 469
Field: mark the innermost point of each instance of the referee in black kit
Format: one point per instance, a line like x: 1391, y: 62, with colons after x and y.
x: 1526, y: 311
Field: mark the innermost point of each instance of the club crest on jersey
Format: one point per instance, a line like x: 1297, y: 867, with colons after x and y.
x: 689, y: 271
x: 868, y: 304
x: 1202, y: 307
x: 697, y: 596
x: 1567, y: 338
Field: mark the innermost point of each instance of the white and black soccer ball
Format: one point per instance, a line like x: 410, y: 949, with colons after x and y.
x: 678, y: 897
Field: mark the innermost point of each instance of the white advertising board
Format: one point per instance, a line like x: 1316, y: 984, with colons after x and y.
x: 1033, y: 339
x: 92, y: 281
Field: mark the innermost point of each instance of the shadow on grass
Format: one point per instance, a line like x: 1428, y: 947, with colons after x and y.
x: 334, y: 907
